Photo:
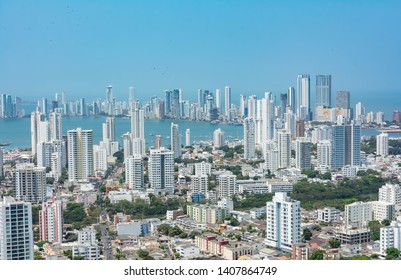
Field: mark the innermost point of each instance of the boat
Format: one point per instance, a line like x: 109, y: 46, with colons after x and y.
x: 5, y: 144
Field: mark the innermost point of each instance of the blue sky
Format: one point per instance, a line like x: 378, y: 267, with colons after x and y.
x: 253, y: 46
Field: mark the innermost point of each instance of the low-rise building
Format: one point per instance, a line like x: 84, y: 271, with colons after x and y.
x: 328, y: 215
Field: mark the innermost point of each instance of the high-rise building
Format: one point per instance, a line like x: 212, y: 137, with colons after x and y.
x: 291, y: 99
x: 218, y: 138
x: 324, y: 152
x: 51, y: 221
x: 203, y: 168
x: 227, y: 101
x: 303, y: 97
x: 346, y: 145
x: 380, y: 117
x: 36, y: 118
x: 284, y: 148
x: 99, y: 158
x: 175, y: 140
x: 397, y: 116
x: 283, y: 105
x: 199, y: 184
x: 323, y: 90
x: 30, y: 183
x: 16, y: 234
x: 134, y: 172
x: 343, y: 99
x: 303, y: 153
x: 227, y: 184
x: 1, y: 163
x: 390, y: 193
x: 360, y: 112
x: 382, y: 145
x: 249, y: 139
x: 109, y: 128
x: 161, y: 171
x: 158, y: 143
x: 80, y: 154
x: 56, y: 127
x: 127, y: 144
x: 390, y: 237
x: 283, y: 222
x: 188, y: 137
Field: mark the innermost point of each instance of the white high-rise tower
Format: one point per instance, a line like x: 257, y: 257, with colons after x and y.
x: 80, y: 154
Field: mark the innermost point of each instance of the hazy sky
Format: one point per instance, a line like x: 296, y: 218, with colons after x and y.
x: 80, y: 47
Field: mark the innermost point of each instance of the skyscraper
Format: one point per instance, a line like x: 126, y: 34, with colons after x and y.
x: 324, y: 152
x: 51, y: 221
x: 161, y: 171
x: 109, y: 128
x: 346, y: 145
x: 16, y: 235
x: 249, y: 138
x: 382, y: 145
x: 227, y: 101
x: 291, y: 99
x: 218, y: 138
x: 343, y: 99
x: 175, y: 140
x: 36, y: 117
x: 303, y: 97
x: 284, y: 148
x: 283, y: 222
x: 30, y: 183
x: 218, y: 101
x: 188, y: 137
x: 134, y: 173
x: 80, y: 154
x: 303, y: 153
x: 138, y: 131
x: 56, y: 125
x: 1, y: 162
x: 323, y: 90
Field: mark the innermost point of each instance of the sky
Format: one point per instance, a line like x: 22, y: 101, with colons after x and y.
x: 80, y: 47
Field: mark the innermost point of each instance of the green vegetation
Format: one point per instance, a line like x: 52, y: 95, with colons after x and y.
x: 251, y: 201
x: 142, y: 254
x: 315, y: 195
x: 76, y: 215
x: 139, y: 208
x: 71, y: 237
x: 41, y: 243
x: 119, y: 156
x: 357, y: 258
x: 120, y: 256
x: 230, y: 152
x: 306, y: 234
x: 236, y: 170
x: 171, y: 231
x: 37, y: 255
x: 392, y: 253
x: 317, y: 255
x: 35, y: 214
x: 234, y: 222
x: 334, y: 243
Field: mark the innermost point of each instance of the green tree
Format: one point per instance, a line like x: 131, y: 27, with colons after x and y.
x: 119, y: 157
x: 142, y: 254
x: 120, y: 256
x: 334, y: 243
x: 234, y: 222
x: 164, y: 229
x: 317, y: 255
x: 306, y: 234
x: 392, y: 253
x: 386, y: 222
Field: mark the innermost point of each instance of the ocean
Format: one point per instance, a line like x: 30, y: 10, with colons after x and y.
x: 18, y: 131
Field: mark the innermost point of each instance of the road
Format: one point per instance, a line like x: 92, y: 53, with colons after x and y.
x: 106, y: 243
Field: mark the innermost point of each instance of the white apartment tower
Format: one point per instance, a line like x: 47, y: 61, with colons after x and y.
x: 137, y: 131
x: 283, y: 222
x: 227, y: 185
x: 188, y: 137
x: 390, y: 193
x: 30, y: 183
x: 324, y: 152
x: 284, y: 148
x: 199, y: 184
x: 390, y: 237
x: 303, y: 97
x: 203, y: 168
x: 249, y: 139
x: 51, y: 221
x: 382, y: 145
x: 16, y: 235
x: 134, y: 173
x: 80, y: 154
x: 161, y: 171
x: 218, y: 138
x: 175, y: 140
x: 227, y: 101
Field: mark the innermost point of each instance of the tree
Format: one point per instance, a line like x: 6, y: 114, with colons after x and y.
x: 142, y: 254
x: 120, y: 256
x: 317, y: 255
x: 386, y: 222
x: 164, y: 229
x: 71, y: 237
x: 306, y: 234
x: 119, y: 157
x: 392, y: 253
x: 234, y: 222
x: 334, y: 243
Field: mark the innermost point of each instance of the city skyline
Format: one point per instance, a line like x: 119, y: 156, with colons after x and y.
x: 76, y: 50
